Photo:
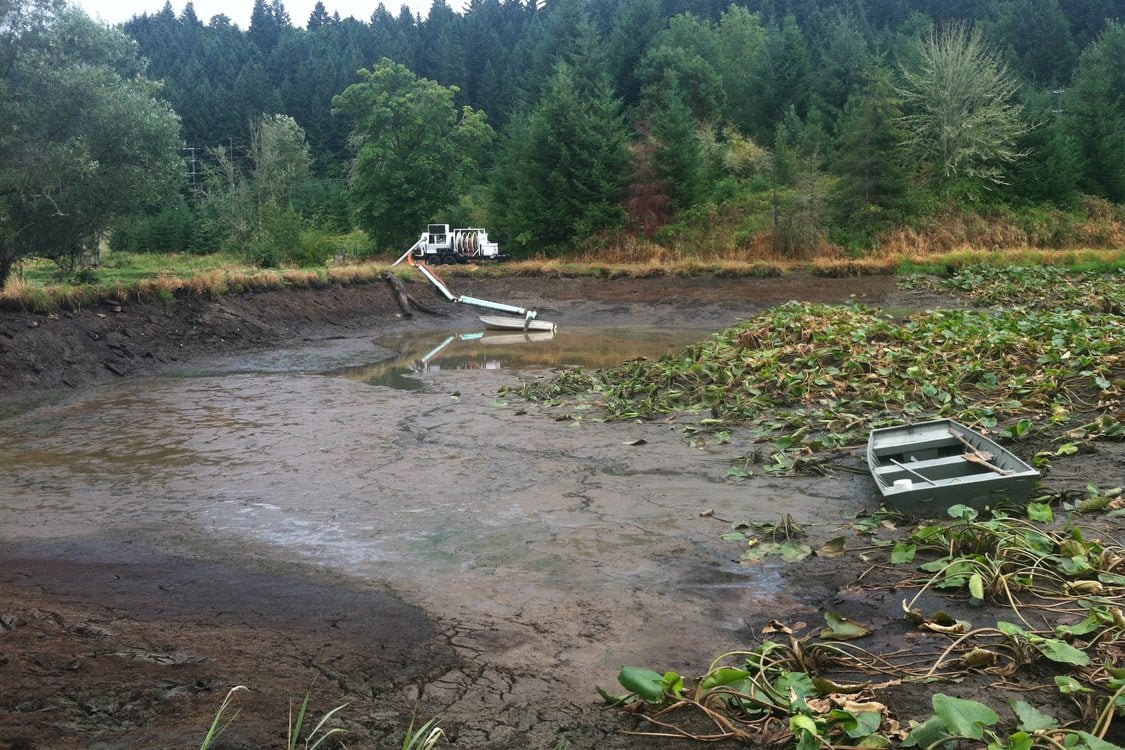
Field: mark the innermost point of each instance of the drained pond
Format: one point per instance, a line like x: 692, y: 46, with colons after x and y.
x: 549, y: 552
x: 372, y: 520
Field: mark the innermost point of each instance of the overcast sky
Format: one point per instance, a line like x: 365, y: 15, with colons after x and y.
x: 238, y: 11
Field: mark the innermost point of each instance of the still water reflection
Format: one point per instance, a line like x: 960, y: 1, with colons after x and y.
x: 507, y: 350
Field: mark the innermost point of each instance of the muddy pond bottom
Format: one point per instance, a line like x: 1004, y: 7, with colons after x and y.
x: 574, y: 546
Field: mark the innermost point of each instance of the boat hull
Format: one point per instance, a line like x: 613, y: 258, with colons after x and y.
x: 924, y: 469
x: 502, y: 323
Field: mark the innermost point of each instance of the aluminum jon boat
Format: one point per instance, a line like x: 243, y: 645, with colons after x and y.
x: 925, y: 468
x: 504, y: 323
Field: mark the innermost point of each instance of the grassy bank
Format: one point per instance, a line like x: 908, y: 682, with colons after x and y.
x: 150, y: 276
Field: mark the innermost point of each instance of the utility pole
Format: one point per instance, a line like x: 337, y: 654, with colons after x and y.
x: 1058, y: 100
x: 193, y: 171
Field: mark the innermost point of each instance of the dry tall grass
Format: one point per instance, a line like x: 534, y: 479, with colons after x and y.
x: 717, y: 247
x: 1101, y: 225
x: 21, y: 295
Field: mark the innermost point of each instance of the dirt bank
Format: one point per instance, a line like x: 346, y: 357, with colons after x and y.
x: 76, y: 348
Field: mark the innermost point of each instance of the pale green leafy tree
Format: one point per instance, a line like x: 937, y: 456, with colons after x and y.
x: 281, y: 156
x: 254, y: 208
x: 961, y: 118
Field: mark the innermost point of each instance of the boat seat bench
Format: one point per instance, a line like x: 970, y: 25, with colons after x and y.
x: 889, y: 446
x: 920, y: 466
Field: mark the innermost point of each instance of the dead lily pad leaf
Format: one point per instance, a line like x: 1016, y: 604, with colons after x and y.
x: 832, y: 548
x: 872, y: 707
x: 788, y: 551
x: 831, y: 687
x: 841, y: 628
x: 980, y: 658
x: 943, y: 622
x: 776, y: 626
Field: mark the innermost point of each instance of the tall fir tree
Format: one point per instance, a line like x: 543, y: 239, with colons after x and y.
x: 783, y: 75
x: 562, y: 174
x: 678, y: 155
x: 1094, y: 111
x: 635, y: 24
x: 1054, y: 165
x: 741, y: 40
x: 873, y: 186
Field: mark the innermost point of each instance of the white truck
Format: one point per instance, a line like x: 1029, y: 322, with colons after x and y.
x: 440, y: 245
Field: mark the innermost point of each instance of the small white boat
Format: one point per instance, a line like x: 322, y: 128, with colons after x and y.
x: 516, y: 338
x: 504, y: 323
x: 925, y: 468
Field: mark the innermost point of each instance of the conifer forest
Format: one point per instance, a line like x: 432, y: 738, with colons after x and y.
x: 557, y: 124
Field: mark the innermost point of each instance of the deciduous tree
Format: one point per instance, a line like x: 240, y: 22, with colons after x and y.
x: 414, y: 151
x: 84, y: 138
x: 961, y: 116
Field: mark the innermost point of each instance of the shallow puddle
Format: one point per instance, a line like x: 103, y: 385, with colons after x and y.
x: 512, y: 350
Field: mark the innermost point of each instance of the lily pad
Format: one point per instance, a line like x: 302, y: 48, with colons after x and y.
x: 841, y: 628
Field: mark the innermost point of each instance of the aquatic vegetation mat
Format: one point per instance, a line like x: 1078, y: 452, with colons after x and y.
x: 814, y: 378
x: 1045, y: 287
x: 1058, y: 672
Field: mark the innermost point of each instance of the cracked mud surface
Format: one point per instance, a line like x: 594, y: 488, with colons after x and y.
x: 279, y: 518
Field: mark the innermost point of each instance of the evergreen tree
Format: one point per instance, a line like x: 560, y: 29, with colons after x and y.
x: 1095, y: 113
x: 678, y: 155
x: 873, y: 185
x: 685, y: 56
x: 264, y: 28
x: 319, y: 17
x: 442, y: 57
x: 552, y: 37
x: 635, y: 24
x: 189, y: 20
x: 1088, y: 18
x: 561, y: 175
x: 783, y: 77
x: 1053, y: 167
x: 280, y: 15
x: 1038, y: 33
x: 741, y: 41
x: 480, y: 33
x: 391, y: 39
x: 797, y: 199
x: 843, y: 63
x: 685, y: 71
x: 254, y: 93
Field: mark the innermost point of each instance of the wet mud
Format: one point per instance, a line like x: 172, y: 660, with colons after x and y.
x: 361, y: 518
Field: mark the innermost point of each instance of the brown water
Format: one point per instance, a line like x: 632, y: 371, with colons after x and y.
x: 547, y: 545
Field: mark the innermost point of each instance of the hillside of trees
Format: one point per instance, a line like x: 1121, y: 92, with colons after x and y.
x: 802, y: 124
